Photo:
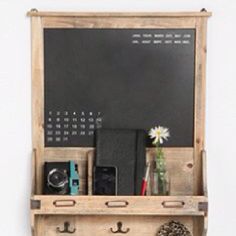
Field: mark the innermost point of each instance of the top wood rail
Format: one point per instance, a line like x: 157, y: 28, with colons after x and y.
x: 202, y: 13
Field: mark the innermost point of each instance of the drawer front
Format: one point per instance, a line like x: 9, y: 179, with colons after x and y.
x: 106, y: 225
x: 119, y: 205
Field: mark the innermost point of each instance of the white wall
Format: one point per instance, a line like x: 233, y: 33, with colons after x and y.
x: 15, y: 95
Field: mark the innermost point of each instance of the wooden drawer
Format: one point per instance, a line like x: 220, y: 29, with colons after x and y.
x: 108, y: 225
x: 119, y: 205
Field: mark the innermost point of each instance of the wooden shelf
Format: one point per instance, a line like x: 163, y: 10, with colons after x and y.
x: 119, y: 205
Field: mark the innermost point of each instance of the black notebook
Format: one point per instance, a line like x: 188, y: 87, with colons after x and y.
x: 125, y: 150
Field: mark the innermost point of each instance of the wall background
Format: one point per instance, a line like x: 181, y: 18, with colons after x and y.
x: 15, y: 102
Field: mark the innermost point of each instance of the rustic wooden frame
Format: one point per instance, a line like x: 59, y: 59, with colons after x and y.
x: 196, y: 203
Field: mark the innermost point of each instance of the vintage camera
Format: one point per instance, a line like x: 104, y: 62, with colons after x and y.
x: 61, y: 178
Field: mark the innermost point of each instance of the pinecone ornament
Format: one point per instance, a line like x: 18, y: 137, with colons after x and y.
x: 173, y: 228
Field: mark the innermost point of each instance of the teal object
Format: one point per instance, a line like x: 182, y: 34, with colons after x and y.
x: 74, y: 179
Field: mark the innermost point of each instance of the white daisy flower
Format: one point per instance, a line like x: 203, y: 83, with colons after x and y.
x: 159, y: 134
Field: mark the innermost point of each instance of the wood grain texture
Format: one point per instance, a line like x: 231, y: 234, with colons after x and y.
x: 52, y: 224
x: 118, y: 22
x: 90, y: 225
x: 205, y: 226
x: 136, y: 205
x: 39, y: 226
x: 90, y: 172
x: 200, y: 88
x: 118, y: 14
x: 37, y: 96
x: 33, y: 172
x: 200, y: 226
x: 204, y: 173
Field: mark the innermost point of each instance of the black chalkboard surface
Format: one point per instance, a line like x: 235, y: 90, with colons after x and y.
x: 118, y: 78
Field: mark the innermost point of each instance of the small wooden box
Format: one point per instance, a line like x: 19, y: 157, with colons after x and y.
x: 87, y: 215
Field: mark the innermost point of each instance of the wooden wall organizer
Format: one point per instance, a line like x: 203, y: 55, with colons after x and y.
x: 87, y: 215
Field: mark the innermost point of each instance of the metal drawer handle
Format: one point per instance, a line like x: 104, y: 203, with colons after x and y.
x: 119, y: 229
x: 64, y: 203
x: 116, y: 204
x: 66, y: 229
x: 173, y: 204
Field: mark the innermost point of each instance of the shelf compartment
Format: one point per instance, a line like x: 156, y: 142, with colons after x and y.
x: 179, y: 163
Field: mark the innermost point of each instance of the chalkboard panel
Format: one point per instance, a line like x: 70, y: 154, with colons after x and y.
x: 118, y: 78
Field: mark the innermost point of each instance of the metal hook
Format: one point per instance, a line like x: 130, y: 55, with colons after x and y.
x: 34, y: 10
x: 203, y: 10
x: 119, y: 229
x: 66, y: 229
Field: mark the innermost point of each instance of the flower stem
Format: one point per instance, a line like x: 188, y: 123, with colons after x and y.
x: 160, y: 167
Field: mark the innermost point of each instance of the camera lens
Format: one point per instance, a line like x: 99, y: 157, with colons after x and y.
x: 57, y: 178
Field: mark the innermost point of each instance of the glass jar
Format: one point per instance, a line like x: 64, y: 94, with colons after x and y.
x: 160, y: 182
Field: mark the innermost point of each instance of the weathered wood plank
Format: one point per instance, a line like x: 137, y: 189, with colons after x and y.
x: 37, y: 96
x: 90, y: 225
x: 34, y: 12
x: 134, y: 205
x: 118, y: 22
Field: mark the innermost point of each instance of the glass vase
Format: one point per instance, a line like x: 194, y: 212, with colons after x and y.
x: 160, y: 183
x: 160, y: 176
